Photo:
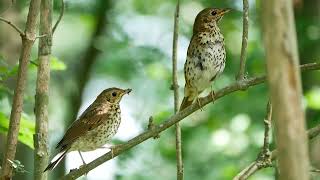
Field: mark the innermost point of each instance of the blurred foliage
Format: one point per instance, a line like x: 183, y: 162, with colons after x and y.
x: 27, y: 129
x: 135, y: 51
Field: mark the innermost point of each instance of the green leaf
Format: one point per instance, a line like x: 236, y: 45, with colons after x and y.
x: 57, y: 65
x: 27, y: 129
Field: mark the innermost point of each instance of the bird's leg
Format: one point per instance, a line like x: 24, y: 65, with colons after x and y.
x: 84, y: 163
x: 199, y: 103
x: 212, y: 94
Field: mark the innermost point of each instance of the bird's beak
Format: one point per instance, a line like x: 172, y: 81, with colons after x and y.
x: 224, y: 11
x: 127, y: 91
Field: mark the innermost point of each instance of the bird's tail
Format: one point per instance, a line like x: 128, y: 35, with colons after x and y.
x: 187, y: 101
x: 55, y: 161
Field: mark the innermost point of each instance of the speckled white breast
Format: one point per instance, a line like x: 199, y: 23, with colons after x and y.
x: 101, y: 135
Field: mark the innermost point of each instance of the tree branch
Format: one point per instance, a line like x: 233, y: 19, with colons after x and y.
x: 245, y: 27
x: 59, y: 18
x: 264, y: 157
x: 175, y: 88
x: 236, y: 86
x: 254, y: 166
x: 41, y: 151
x: 13, y: 26
x: 15, y: 116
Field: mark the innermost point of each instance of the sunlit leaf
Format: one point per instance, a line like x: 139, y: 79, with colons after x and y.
x: 57, y: 65
x: 27, y: 129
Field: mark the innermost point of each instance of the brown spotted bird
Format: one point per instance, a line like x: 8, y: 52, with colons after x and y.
x: 95, y: 127
x: 206, y: 55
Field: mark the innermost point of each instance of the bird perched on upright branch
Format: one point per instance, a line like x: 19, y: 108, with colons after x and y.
x: 95, y: 127
x: 206, y: 55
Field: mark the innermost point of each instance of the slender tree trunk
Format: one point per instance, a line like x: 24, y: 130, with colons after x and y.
x: 42, y: 92
x: 27, y: 41
x: 285, y: 86
x: 175, y: 88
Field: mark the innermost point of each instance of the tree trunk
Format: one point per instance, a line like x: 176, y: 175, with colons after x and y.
x: 27, y: 41
x: 285, y: 87
x: 42, y: 92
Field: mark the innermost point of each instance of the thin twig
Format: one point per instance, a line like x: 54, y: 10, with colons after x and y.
x: 315, y: 170
x: 175, y: 87
x: 254, y: 166
x: 243, y: 56
x: 264, y: 157
x: 13, y: 26
x: 267, y: 125
x: 245, y: 84
x: 59, y: 18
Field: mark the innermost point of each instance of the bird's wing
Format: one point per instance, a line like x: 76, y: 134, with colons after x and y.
x: 92, y: 117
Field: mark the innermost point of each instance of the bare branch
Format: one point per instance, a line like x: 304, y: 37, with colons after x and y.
x: 59, y: 18
x: 245, y: 27
x: 264, y: 157
x: 175, y: 87
x: 13, y: 26
x: 254, y: 166
x: 237, y: 86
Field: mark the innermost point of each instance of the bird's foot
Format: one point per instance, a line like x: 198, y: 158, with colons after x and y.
x: 199, y: 104
x: 112, y: 149
x: 213, y: 95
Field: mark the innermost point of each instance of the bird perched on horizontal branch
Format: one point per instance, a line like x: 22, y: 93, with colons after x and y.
x: 206, y: 55
x: 94, y: 128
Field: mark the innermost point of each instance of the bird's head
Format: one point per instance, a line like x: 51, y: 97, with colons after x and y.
x: 208, y: 18
x: 112, y: 95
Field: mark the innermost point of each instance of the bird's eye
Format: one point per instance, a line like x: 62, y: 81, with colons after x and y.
x: 114, y: 94
x: 213, y: 13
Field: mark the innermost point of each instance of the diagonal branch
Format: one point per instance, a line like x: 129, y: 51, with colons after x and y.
x: 254, y: 166
x: 59, y: 18
x: 237, y: 86
x: 245, y: 19
x: 175, y: 88
x: 13, y: 26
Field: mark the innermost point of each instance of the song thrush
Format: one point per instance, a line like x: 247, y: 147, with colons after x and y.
x: 206, y: 55
x: 95, y: 127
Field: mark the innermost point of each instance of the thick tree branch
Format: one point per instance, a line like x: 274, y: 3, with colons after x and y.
x: 237, y: 86
x: 254, y: 166
x: 175, y: 88
x: 245, y: 27
x: 41, y: 150
x: 59, y: 18
x: 13, y: 26
x: 15, y: 116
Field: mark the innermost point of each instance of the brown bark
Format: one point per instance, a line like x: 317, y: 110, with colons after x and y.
x: 285, y: 87
x: 27, y: 41
x: 175, y: 88
x: 42, y: 92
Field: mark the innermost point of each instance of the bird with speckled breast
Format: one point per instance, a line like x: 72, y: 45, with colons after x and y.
x: 206, y: 55
x: 94, y: 128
